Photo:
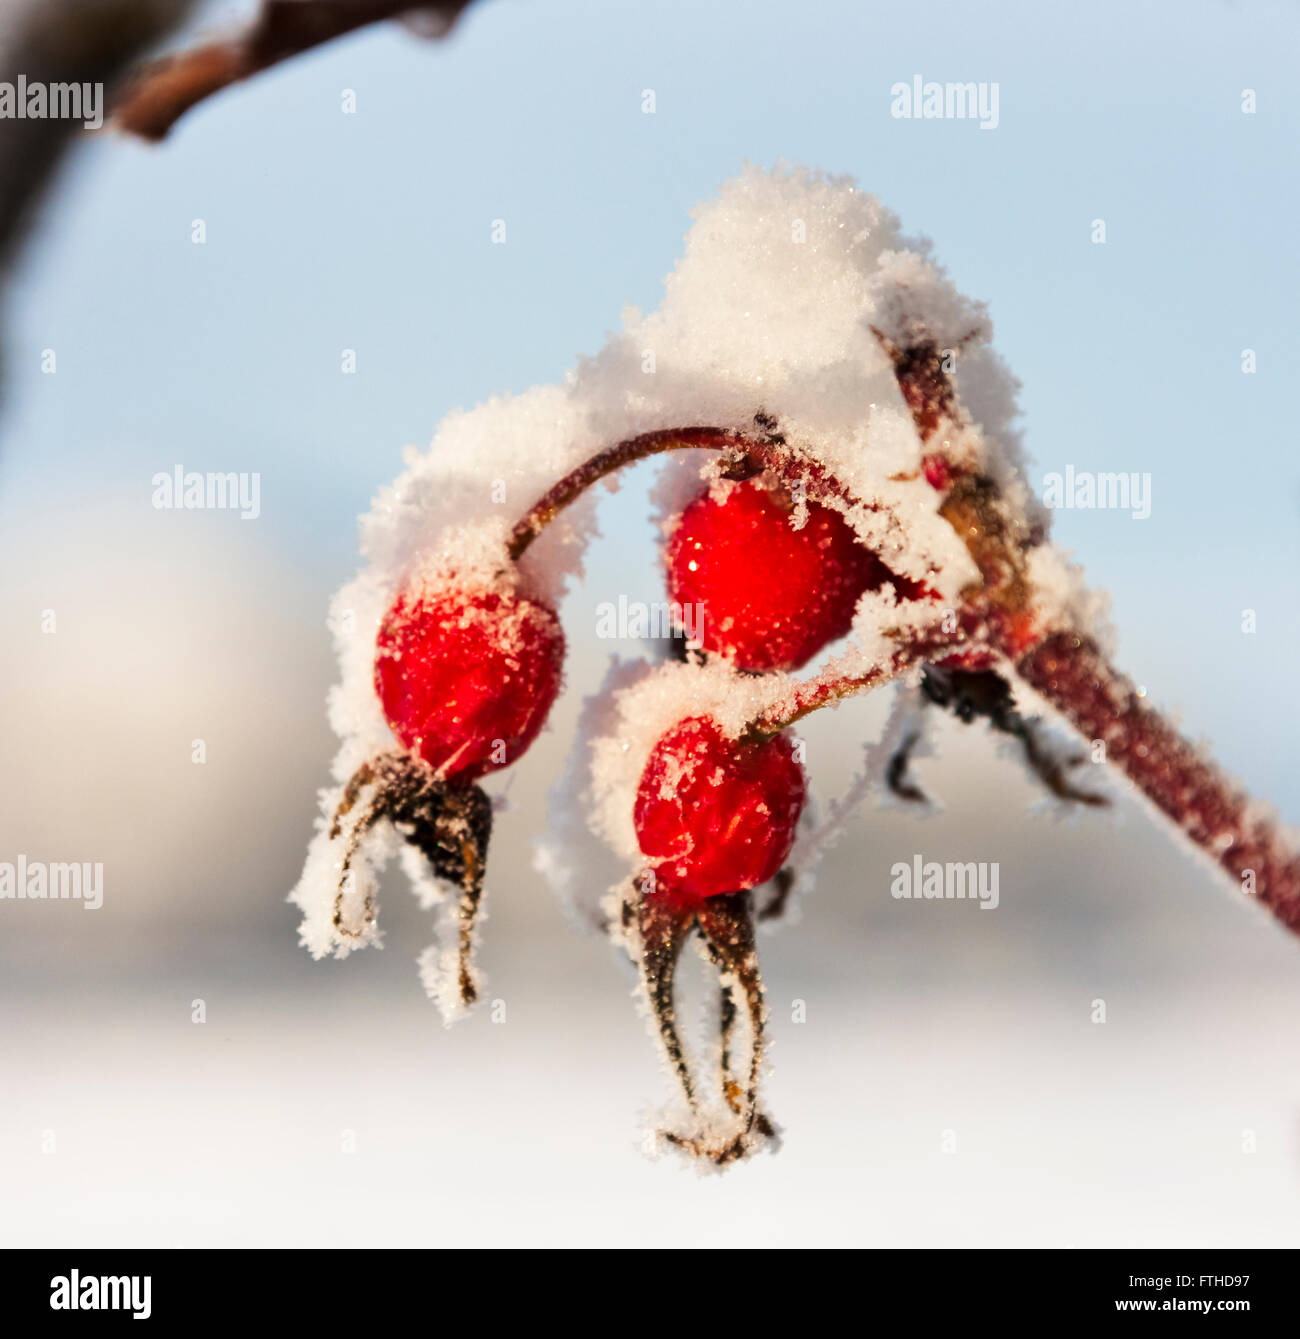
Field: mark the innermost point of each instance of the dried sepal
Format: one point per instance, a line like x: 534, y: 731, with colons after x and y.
x: 655, y: 930
x: 727, y: 926
x: 450, y: 824
x: 898, y: 779
x: 985, y: 695
x: 775, y: 907
x: 366, y: 776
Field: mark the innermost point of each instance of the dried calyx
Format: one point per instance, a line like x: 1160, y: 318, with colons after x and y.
x: 466, y: 674
x: 448, y: 822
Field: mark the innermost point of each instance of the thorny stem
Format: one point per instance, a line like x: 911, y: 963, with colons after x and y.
x: 770, y: 452
x: 1071, y: 673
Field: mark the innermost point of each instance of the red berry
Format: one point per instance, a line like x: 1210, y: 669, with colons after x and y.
x: 1019, y: 631
x: 937, y: 473
x: 466, y: 677
x: 718, y: 816
x: 972, y: 660
x: 764, y: 595
x: 1013, y: 633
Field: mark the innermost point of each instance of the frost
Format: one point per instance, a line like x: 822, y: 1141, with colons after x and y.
x: 790, y: 286
x: 803, y: 333
x: 787, y: 281
x: 584, y: 871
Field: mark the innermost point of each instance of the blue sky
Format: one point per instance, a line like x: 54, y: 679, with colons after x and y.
x: 370, y: 231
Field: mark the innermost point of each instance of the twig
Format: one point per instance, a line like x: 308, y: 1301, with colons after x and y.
x: 1208, y: 807
x: 66, y: 42
x: 160, y: 93
x: 768, y: 451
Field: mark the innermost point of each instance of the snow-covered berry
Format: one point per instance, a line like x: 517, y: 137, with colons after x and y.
x: 765, y: 595
x: 716, y: 815
x: 466, y: 676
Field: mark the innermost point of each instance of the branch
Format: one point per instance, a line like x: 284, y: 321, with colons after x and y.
x: 160, y: 93
x: 765, y: 452
x: 62, y: 41
x: 1207, y: 806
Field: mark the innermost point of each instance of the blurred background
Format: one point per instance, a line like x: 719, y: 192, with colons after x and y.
x: 324, y: 1103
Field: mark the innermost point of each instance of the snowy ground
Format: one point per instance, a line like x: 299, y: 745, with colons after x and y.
x: 233, y: 1133
x: 921, y: 1018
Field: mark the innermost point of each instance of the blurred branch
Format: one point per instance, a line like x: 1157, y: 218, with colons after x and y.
x: 62, y: 42
x: 159, y: 94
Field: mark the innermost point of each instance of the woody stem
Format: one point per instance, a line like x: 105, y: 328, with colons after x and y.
x: 828, y: 688
x: 770, y: 453
x: 1070, y: 672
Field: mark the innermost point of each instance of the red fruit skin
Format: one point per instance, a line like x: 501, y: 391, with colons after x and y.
x: 458, y: 670
x: 717, y: 816
x: 768, y: 597
x: 1014, y: 633
x: 937, y: 473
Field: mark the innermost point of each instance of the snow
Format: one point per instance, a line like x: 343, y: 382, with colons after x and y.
x: 787, y: 285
